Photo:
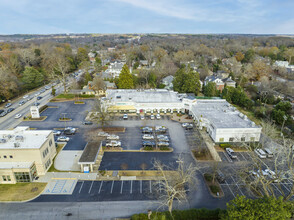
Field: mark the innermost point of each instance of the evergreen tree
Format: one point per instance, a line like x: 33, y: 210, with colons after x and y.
x: 210, y: 90
x: 125, y: 79
x: 32, y: 78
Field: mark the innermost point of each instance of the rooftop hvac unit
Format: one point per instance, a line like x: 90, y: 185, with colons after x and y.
x: 16, y: 145
x: 2, y: 140
x: 252, y: 124
x: 19, y: 138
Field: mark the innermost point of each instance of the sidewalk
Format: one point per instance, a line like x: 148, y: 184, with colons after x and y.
x: 66, y: 175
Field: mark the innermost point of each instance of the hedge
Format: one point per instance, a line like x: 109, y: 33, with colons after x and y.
x: 214, y: 189
x: 195, y: 214
x: 225, y: 145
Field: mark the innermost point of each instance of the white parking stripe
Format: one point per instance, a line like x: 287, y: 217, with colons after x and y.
x: 131, y: 190
x: 277, y: 188
x: 140, y: 186
x: 238, y: 158
x: 100, y: 187
x: 230, y: 189
x: 81, y: 187
x: 112, y: 186
x: 285, y: 187
x: 122, y: 183
x: 91, y: 186
x: 237, y: 186
x: 150, y: 186
x: 249, y: 155
x: 227, y: 157
x: 243, y: 156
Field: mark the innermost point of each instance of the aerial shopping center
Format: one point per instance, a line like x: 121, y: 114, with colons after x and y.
x: 222, y: 121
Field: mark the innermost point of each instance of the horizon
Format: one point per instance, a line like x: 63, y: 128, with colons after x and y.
x: 256, y: 17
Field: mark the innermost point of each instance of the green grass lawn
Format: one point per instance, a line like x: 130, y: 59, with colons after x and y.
x: 20, y: 191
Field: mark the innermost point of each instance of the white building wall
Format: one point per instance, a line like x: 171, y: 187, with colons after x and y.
x: 236, y: 134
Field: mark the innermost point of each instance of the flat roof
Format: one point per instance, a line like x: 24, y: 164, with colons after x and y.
x: 221, y: 114
x: 143, y: 96
x: 23, y: 138
x: 90, y: 153
x: 11, y: 165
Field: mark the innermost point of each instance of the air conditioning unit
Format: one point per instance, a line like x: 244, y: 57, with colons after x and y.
x: 16, y: 145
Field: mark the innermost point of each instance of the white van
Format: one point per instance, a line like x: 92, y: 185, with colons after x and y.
x: 261, y: 154
x: 268, y: 152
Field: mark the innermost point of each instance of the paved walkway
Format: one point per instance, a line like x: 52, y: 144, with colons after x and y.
x: 66, y: 175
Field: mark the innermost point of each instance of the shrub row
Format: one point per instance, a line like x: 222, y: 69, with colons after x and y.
x: 195, y: 214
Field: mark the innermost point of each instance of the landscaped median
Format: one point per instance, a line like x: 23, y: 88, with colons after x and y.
x: 20, y: 191
x: 213, y: 185
x: 71, y: 97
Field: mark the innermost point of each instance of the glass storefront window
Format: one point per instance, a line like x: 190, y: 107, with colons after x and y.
x: 22, y: 177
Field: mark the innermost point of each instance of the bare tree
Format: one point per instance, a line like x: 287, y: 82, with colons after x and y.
x: 143, y: 166
x: 263, y: 178
x: 100, y: 113
x: 98, y: 84
x: 176, y: 186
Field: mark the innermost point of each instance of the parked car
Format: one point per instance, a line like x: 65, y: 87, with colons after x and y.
x: 162, y: 138
x: 63, y: 138
x: 147, y: 130
x: 87, y: 123
x: 10, y: 110
x: 148, y: 144
x: 261, y: 154
x: 220, y: 177
x: 17, y: 116
x: 57, y: 133
x: 254, y: 174
x: 268, y: 152
x: 160, y: 129
x: 103, y: 134
x: 185, y: 125
x: 113, y: 143
x: 39, y: 97
x: 125, y: 117
x: 26, y: 96
x: 162, y: 144
x: 189, y: 127
x: 152, y: 117
x: 112, y: 137
x: 158, y: 116
x: 8, y: 105
x: 142, y: 117
x: 148, y: 137
x: 231, y: 153
x: 271, y: 174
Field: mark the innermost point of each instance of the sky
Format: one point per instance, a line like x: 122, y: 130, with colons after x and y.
x: 147, y: 16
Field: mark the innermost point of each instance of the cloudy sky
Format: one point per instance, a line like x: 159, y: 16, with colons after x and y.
x: 147, y: 16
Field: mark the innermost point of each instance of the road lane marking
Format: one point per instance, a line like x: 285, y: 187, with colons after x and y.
x: 100, y: 187
x: 112, y: 186
x: 131, y: 190
x: 81, y: 187
x: 122, y: 183
x: 91, y: 186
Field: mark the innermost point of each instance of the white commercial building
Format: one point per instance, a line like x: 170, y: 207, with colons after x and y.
x: 223, y: 122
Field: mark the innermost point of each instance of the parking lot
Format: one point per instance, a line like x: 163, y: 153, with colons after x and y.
x: 106, y: 191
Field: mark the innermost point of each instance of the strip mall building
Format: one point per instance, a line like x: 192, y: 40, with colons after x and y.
x: 222, y: 121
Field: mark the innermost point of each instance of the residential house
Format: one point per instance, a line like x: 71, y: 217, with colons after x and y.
x: 168, y: 82
x: 115, y: 68
x: 220, y: 81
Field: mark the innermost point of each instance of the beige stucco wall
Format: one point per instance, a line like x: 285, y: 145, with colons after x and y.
x: 30, y: 155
